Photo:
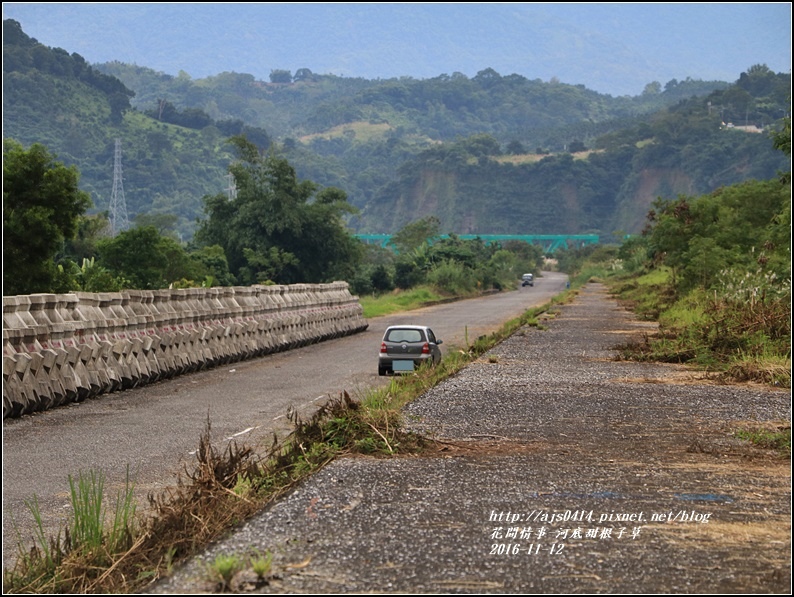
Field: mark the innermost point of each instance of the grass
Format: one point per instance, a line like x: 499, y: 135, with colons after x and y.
x: 648, y: 295
x: 398, y: 301
x: 261, y: 564
x: 778, y: 439
x: 531, y: 158
x: 360, y: 130
x: 223, y: 569
x: 225, y: 488
x: 742, y: 340
x: 90, y: 544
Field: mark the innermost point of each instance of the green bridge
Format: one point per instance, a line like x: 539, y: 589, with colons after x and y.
x: 549, y: 242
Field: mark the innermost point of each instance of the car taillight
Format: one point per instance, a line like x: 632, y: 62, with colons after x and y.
x: 426, y: 348
x: 383, y: 347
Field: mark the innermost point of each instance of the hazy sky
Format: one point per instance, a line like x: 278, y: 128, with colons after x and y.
x: 612, y: 48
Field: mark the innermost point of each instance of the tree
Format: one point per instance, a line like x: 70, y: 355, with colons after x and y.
x: 515, y: 148
x: 653, y: 88
x: 781, y: 137
x: 279, y: 228
x: 147, y: 259
x: 41, y: 206
x: 280, y: 76
x: 304, y: 74
x: 414, y: 235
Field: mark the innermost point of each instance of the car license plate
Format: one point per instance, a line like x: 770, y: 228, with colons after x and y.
x: 402, y: 366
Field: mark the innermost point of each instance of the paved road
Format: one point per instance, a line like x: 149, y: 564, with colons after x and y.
x: 560, y: 470
x: 155, y: 429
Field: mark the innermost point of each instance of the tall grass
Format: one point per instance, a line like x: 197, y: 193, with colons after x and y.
x: 745, y: 336
x: 90, y: 544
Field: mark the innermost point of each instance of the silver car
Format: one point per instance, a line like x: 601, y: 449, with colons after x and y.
x: 405, y: 347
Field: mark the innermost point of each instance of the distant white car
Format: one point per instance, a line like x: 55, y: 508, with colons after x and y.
x: 527, y: 280
x: 405, y: 347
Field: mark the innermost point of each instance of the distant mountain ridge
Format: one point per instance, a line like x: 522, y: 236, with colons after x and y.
x: 489, y: 154
x: 615, y: 49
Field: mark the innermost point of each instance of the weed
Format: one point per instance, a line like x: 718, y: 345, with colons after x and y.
x: 87, y: 514
x: 242, y: 487
x: 223, y: 569
x: 261, y: 564
x: 492, y: 358
x: 386, y: 304
x: 38, y: 566
x: 746, y: 336
x: 78, y: 562
x: 778, y: 439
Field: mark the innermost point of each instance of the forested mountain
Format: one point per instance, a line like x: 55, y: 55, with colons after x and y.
x: 487, y: 154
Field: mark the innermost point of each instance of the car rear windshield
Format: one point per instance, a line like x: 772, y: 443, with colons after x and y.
x: 405, y: 336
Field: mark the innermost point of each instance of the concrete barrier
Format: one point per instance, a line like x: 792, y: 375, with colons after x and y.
x: 63, y: 348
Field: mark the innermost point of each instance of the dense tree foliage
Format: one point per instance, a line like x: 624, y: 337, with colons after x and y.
x: 41, y: 207
x: 278, y: 228
x: 146, y: 259
x: 446, y: 262
x: 22, y: 54
x: 415, y: 234
x: 743, y: 228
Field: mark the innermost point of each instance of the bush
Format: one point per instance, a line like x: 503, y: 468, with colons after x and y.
x: 381, y: 279
x: 407, y: 274
x: 452, y: 277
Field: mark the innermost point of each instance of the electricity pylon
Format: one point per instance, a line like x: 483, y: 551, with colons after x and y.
x: 118, y: 205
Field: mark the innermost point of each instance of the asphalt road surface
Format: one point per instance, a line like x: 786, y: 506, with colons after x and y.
x: 154, y: 430
x: 556, y: 469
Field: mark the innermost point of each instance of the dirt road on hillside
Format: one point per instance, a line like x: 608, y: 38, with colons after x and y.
x: 557, y: 469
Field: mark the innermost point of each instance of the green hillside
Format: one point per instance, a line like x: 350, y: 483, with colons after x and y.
x: 487, y: 154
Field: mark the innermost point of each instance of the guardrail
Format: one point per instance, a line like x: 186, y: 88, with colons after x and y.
x: 63, y: 348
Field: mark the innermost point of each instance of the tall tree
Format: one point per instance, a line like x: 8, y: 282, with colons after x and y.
x: 41, y: 207
x: 147, y: 259
x: 279, y: 228
x: 418, y: 233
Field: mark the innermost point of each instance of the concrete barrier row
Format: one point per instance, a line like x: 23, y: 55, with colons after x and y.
x: 63, y: 348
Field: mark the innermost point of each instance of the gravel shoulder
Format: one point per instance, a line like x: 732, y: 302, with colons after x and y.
x: 556, y: 469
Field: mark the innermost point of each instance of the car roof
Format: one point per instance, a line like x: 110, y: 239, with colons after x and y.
x: 407, y: 327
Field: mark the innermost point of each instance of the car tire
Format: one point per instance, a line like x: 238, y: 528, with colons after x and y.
x: 382, y: 371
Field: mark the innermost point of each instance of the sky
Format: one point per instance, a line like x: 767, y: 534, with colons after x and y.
x: 611, y: 48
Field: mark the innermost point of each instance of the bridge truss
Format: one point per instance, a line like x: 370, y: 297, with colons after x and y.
x: 549, y: 242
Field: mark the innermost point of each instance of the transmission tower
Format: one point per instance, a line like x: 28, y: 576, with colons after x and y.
x: 231, y: 190
x: 118, y: 205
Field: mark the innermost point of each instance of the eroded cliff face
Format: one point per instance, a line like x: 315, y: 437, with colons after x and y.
x: 597, y: 193
x: 492, y: 201
x: 644, y: 189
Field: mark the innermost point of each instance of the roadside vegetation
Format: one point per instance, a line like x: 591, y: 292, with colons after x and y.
x: 276, y: 230
x: 377, y: 305
x: 715, y: 272
x: 777, y: 438
x: 130, y: 551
